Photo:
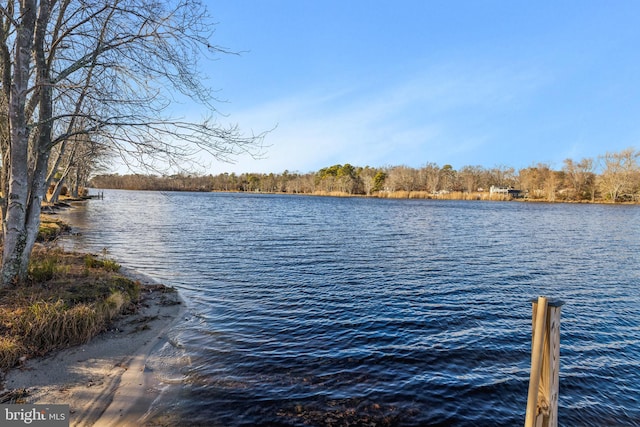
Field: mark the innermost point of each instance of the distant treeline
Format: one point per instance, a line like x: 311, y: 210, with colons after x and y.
x: 613, y: 177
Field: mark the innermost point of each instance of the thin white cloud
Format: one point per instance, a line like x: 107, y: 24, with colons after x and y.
x: 439, y: 114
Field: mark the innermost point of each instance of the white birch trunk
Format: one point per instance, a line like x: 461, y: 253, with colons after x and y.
x: 14, y: 268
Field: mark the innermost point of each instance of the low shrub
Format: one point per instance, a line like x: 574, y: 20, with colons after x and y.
x: 92, y: 261
x: 50, y: 229
x: 45, y: 268
x: 130, y: 288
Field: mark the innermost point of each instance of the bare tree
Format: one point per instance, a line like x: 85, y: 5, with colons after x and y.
x: 470, y: 178
x: 448, y: 178
x: 401, y: 178
x: 619, y: 178
x: 115, y: 66
x: 502, y: 176
x: 540, y: 181
x: 529, y: 181
x: 431, y: 173
x: 372, y: 179
x: 580, y: 178
x: 72, y: 168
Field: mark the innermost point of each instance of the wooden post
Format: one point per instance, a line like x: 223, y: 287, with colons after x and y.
x: 542, y: 402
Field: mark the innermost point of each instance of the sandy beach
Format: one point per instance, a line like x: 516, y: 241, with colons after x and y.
x: 107, y: 381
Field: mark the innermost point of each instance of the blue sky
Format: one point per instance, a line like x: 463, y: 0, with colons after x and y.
x: 407, y: 82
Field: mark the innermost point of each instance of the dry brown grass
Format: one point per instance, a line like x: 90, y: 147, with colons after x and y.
x: 453, y: 195
x: 332, y: 194
x: 68, y: 299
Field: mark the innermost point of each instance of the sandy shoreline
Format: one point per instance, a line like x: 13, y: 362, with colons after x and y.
x: 107, y: 381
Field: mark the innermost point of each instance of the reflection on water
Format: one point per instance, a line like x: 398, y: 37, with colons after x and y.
x: 327, y: 311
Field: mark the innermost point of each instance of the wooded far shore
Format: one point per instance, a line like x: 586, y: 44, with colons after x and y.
x: 612, y: 178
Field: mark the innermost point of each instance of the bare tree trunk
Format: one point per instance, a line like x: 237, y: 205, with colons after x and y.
x: 41, y: 150
x: 16, y: 253
x: 6, y: 69
x: 53, y: 169
x: 57, y: 189
x: 75, y: 187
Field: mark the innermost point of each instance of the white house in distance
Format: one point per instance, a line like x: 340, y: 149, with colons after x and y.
x: 506, y: 191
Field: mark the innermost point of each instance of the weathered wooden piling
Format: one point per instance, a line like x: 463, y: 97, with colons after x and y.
x: 542, y: 402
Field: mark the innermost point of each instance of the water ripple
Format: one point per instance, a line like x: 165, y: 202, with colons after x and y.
x: 322, y: 311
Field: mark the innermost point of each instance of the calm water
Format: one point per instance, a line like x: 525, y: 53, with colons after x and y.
x: 337, y: 312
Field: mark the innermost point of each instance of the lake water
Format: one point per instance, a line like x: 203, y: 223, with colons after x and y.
x: 355, y: 312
